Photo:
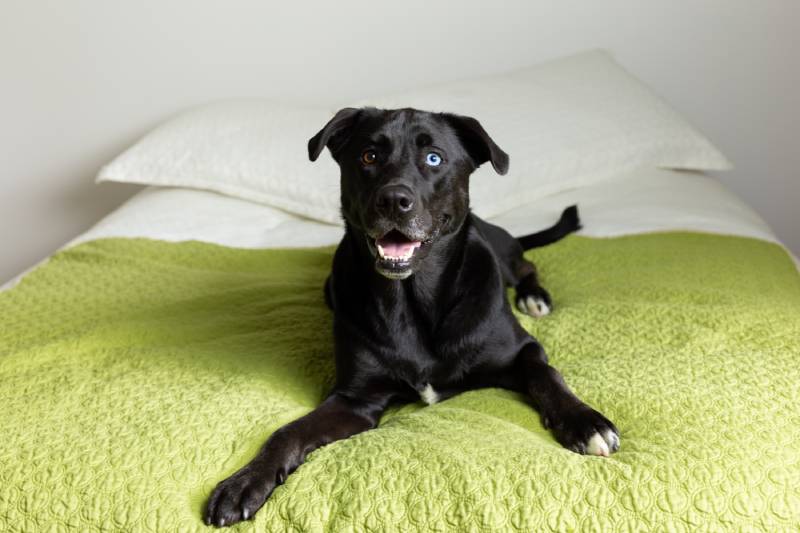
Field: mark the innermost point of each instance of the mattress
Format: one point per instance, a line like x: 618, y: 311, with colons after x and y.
x: 152, y: 356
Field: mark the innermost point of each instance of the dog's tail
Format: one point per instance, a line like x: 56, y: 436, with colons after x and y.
x: 568, y: 223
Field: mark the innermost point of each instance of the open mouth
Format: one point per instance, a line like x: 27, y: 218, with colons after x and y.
x: 396, y: 247
x: 394, y: 252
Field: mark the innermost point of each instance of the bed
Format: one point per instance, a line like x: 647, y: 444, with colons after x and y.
x: 151, y: 357
x: 126, y: 352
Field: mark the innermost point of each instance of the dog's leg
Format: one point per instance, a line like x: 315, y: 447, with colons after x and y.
x: 574, y: 424
x: 241, y: 495
x: 532, y: 299
x: 531, y: 296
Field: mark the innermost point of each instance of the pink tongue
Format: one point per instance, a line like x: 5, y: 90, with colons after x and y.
x: 397, y: 249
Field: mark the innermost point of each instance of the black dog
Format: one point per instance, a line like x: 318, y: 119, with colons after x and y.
x: 418, y: 293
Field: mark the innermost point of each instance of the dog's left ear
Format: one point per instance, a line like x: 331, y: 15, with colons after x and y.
x: 334, y: 134
x: 480, y: 147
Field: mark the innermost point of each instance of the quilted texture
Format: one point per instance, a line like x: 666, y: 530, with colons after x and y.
x: 136, y: 374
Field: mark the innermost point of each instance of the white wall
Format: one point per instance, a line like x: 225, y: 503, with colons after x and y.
x: 81, y: 80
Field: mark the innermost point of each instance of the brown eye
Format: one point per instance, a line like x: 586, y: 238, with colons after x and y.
x: 369, y: 157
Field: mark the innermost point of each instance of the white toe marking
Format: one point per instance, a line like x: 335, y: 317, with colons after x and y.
x: 429, y: 395
x: 597, y: 446
x: 536, y: 307
x: 544, y: 307
x: 245, y: 513
x: 612, y: 439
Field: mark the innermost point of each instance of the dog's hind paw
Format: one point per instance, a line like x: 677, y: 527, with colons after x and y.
x: 533, y: 299
x: 534, y: 306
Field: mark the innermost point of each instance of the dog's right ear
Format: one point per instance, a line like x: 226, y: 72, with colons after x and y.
x: 335, y: 133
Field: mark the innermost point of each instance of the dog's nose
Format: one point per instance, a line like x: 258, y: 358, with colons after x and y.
x: 398, y: 198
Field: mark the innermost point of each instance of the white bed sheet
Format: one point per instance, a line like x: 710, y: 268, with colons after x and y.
x: 637, y: 202
x: 643, y: 201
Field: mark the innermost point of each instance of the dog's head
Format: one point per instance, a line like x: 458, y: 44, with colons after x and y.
x: 405, y: 177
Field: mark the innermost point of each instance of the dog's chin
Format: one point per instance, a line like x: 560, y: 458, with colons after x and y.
x: 393, y: 271
x: 396, y: 255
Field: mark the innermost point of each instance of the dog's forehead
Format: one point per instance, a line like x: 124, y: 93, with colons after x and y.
x: 407, y: 125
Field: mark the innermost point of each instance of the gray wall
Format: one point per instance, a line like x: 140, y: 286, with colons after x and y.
x: 83, y: 79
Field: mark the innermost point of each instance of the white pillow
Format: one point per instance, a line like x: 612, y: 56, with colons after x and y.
x: 566, y: 123
x: 251, y: 149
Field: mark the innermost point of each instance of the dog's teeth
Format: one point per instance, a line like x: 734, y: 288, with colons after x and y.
x: 405, y: 256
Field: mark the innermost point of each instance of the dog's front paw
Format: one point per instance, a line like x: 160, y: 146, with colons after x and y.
x: 239, y: 497
x: 584, y: 430
x: 536, y: 303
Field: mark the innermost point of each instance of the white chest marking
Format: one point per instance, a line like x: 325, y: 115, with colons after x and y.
x: 429, y: 395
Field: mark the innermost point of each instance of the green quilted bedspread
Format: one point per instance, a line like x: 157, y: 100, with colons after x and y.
x: 136, y: 374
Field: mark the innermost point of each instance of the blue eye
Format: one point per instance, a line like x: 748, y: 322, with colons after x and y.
x: 433, y: 159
